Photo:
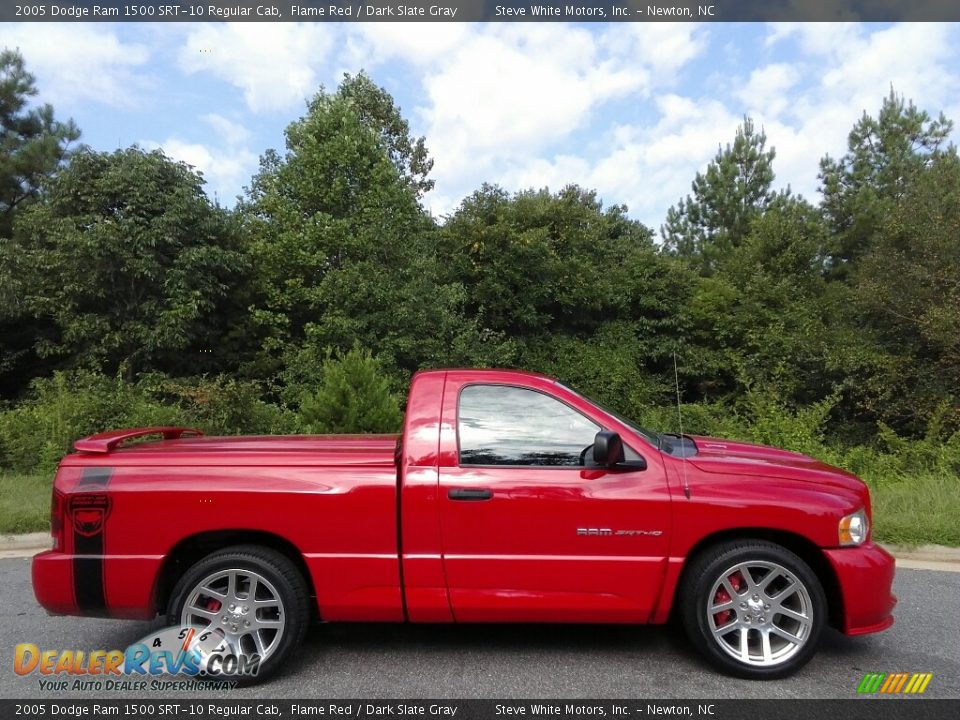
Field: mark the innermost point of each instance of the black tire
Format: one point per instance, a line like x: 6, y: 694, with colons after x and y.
x: 277, y: 576
x: 800, y: 610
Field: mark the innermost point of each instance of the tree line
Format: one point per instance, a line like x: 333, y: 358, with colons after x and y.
x: 329, y: 284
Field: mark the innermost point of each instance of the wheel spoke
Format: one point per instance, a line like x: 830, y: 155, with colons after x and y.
x: 729, y: 587
x: 765, y: 640
x: 726, y: 605
x: 744, y: 644
x: 207, y: 590
x: 203, y: 612
x: 786, y: 635
x: 771, y: 576
x: 747, y: 575
x: 792, y: 614
x: 258, y: 641
x: 791, y: 584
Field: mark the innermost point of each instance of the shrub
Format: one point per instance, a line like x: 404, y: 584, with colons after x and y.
x: 354, y: 396
x: 222, y: 405
x: 38, y: 432
x: 35, y: 434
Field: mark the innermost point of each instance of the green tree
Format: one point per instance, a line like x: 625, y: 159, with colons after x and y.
x: 131, y: 264
x: 33, y: 146
x: 765, y: 317
x: 343, y: 249
x: 354, y: 396
x: 538, y: 262
x: 376, y: 110
x: 907, y: 291
x: 883, y: 155
x: 734, y: 190
x: 556, y: 282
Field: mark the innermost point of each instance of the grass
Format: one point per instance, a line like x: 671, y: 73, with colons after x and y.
x: 923, y: 509
x: 24, y: 503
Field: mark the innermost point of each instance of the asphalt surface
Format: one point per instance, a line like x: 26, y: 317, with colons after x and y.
x: 526, y: 661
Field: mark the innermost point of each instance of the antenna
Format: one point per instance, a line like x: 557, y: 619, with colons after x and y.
x: 683, y: 453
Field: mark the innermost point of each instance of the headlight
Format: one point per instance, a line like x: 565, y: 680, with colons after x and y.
x: 854, y: 528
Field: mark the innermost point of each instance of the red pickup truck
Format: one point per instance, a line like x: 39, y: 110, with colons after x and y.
x: 507, y: 498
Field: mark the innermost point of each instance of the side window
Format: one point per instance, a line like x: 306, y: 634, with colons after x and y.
x: 500, y: 425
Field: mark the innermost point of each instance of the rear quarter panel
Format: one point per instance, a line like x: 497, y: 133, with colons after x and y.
x: 340, y: 517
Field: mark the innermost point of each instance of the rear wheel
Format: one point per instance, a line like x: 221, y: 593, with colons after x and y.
x: 754, y: 608
x: 252, y: 597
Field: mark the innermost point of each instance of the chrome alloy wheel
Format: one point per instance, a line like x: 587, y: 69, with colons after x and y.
x: 760, y: 613
x: 242, y: 607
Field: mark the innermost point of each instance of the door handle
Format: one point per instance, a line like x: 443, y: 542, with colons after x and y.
x: 470, y: 493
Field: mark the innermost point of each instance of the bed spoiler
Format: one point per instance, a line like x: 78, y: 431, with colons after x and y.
x: 108, y: 441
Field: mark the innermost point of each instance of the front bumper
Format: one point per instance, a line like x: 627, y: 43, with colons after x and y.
x: 865, y: 581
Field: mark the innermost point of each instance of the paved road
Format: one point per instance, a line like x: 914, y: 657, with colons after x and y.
x: 385, y: 661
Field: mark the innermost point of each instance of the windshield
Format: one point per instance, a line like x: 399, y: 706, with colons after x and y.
x: 649, y: 435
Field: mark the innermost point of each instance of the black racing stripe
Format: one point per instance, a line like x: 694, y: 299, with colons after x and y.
x: 89, y: 510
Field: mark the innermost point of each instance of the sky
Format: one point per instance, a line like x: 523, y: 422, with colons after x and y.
x: 632, y: 111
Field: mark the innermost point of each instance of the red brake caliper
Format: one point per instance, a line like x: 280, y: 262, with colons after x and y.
x: 214, y: 605
x: 722, y: 596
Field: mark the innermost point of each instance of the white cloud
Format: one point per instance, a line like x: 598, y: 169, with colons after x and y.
x: 370, y: 44
x: 817, y: 39
x: 663, y: 47
x: 505, y: 92
x: 648, y: 168
x: 767, y: 89
x: 81, y: 62
x: 226, y: 166
x: 276, y: 65
x: 233, y: 133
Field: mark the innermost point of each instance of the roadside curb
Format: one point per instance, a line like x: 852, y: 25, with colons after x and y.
x: 923, y: 557
x: 29, y: 541
x: 926, y: 557
x: 925, y: 553
x: 22, y: 546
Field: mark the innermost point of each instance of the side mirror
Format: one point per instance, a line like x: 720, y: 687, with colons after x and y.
x: 607, y: 448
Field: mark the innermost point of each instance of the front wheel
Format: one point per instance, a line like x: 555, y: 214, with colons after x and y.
x: 754, y: 608
x: 252, y: 598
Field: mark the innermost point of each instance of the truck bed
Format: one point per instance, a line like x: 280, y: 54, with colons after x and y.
x: 352, y: 450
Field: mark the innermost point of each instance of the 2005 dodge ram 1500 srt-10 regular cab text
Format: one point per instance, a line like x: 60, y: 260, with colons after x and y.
x: 507, y: 498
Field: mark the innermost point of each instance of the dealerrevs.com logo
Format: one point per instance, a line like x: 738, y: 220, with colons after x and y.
x: 894, y: 683
x: 187, y: 653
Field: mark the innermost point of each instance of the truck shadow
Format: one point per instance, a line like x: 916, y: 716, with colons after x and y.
x: 656, y: 641
x: 496, y: 637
